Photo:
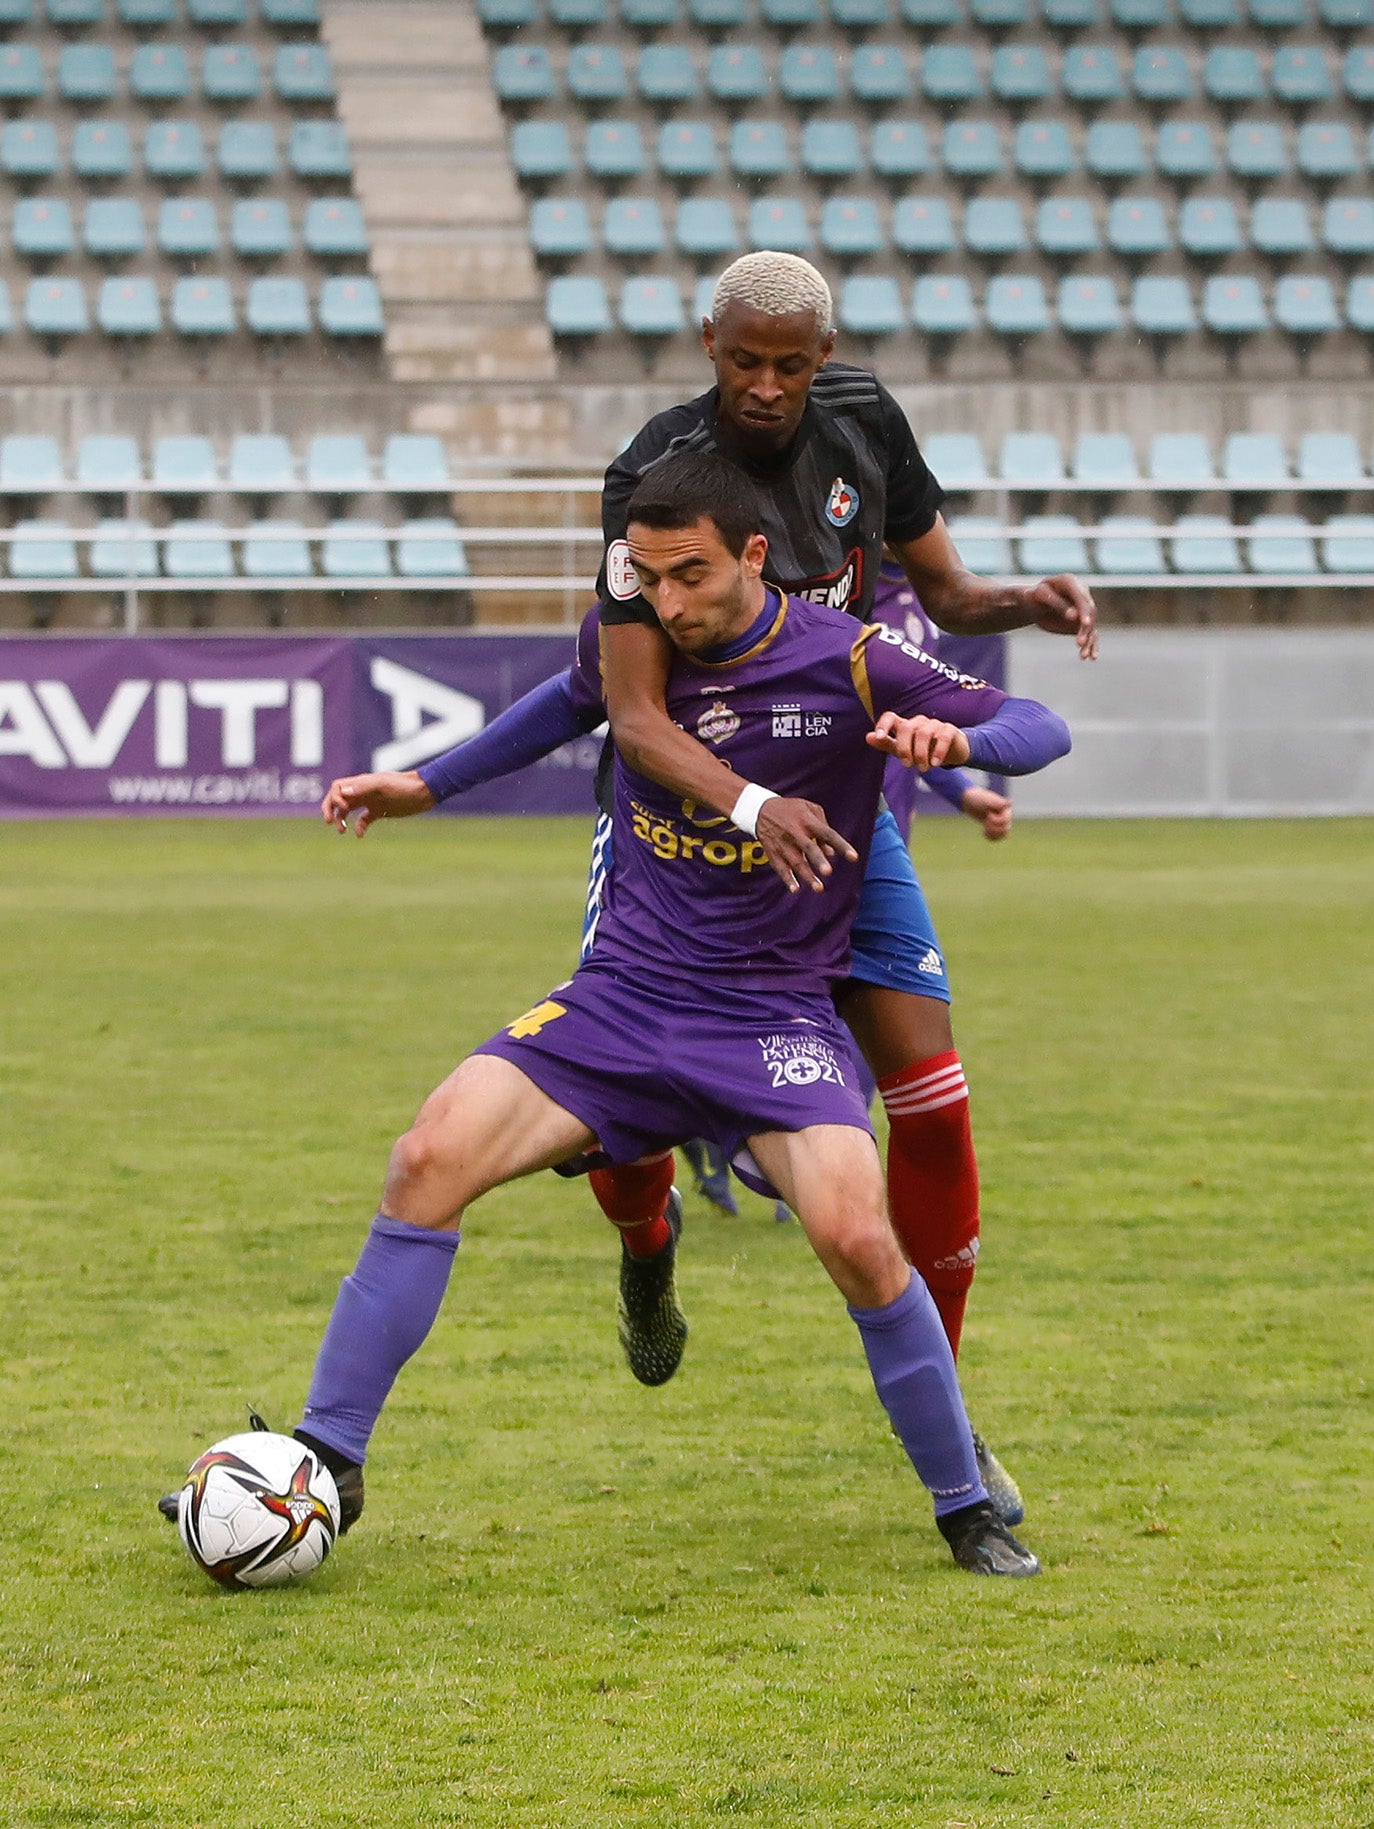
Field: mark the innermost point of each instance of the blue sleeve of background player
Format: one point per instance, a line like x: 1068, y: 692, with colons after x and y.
x: 950, y: 784
x: 543, y: 721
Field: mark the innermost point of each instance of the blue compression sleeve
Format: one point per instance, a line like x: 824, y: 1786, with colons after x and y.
x: 950, y: 784
x: 543, y: 721
x: 1021, y: 736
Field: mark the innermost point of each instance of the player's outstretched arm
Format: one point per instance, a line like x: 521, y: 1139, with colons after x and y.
x: 963, y: 603
x: 393, y: 795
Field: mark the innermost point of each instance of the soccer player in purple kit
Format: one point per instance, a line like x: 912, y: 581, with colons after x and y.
x: 705, y: 1007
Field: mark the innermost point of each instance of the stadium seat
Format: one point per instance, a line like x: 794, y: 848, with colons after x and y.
x: 1182, y: 459
x: 1209, y: 229
x: 123, y: 549
x: 1327, y: 151
x: 43, y: 228
x: 1348, y: 226
x: 1071, y: 15
x: 197, y: 549
x: 579, y: 15
x: 30, y: 466
x: 633, y: 228
x: 1346, y: 15
x: 1114, y: 149
x: 831, y: 149
x: 1231, y: 74
x: 28, y: 149
x: 853, y: 16
x: 1347, y: 543
x: 1129, y: 546
x: 351, y: 308
x: 560, y: 228
x: 596, y: 73
x: 56, y: 308
x: 21, y: 74
x: 758, y: 149
x: 1065, y: 226
x: 614, y: 150
x: 431, y: 548
x: 1015, y: 306
x: 1305, y: 305
x: 1281, y: 543
x: 261, y: 463
x: 871, y: 306
x: 791, y: 15
x: 651, y: 307
x: 276, y: 549
x: 1330, y: 458
x: 993, y: 226
x: 1000, y: 15
x: 1092, y: 74
x: 1255, y: 149
x: 687, y: 149
x: 971, y: 149
x: 666, y: 74
x: 16, y: 12
x: 278, y: 307
x: 1088, y: 306
x: 1232, y: 306
x: 415, y: 463
x: 1021, y: 73
x: 101, y: 149
x: 1301, y: 75
x: 230, y: 73
x: 541, y: 149
x: 247, y: 150
x: 1210, y: 15
x: 808, y: 73
x: 260, y: 229
x: 780, y: 222
x: 185, y: 465
x: 203, y: 308
x: 214, y: 15
x: 187, y: 229
x: 107, y: 464
x: 65, y: 14
x: 303, y: 73
x: 703, y: 302
x: 113, y: 229
x: 1136, y: 228
x: 282, y: 15
x: 930, y: 15
x: 1135, y: 16
x: 338, y: 463
x: 355, y: 549
x: 43, y: 549
x: 949, y: 73
x: 878, y: 74
x: 1357, y: 74
x: 1281, y: 225
x: 1359, y: 304
x: 718, y: 15
x: 319, y: 149
x: 850, y: 228
x: 1162, y: 306
x: 174, y: 150
x: 1160, y: 73
x: 523, y: 73
x: 1105, y: 458
x: 942, y: 305
x: 129, y: 308
x: 956, y: 460
x: 158, y: 73
x: 1254, y: 460
x: 575, y: 306
x: 1184, y: 149
x: 705, y: 228
x: 737, y: 73
x: 1052, y: 543
x: 981, y: 545
x: 899, y: 149
x: 1031, y: 460
x: 86, y: 73
x: 649, y: 15
x: 923, y: 225
x: 1279, y: 15
x: 1043, y: 149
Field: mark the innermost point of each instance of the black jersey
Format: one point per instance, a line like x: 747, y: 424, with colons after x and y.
x: 851, y: 478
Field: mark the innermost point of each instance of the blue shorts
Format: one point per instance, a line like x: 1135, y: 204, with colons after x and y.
x: 894, y: 941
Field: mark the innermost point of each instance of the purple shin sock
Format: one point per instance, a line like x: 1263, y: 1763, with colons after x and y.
x: 913, y: 1370
x: 381, y: 1317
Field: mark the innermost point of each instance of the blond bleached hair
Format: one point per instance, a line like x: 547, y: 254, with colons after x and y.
x: 778, y: 285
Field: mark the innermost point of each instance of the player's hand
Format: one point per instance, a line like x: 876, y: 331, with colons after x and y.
x: 799, y: 841
x: 392, y: 796
x: 992, y: 811
x: 920, y: 743
x: 1064, y: 606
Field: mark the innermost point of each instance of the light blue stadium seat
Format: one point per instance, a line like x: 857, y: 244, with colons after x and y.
x: 878, y: 74
x: 1348, y: 226
x: 854, y: 16
x: 86, y: 73
x: 956, y: 460
x: 335, y: 229
x: 16, y: 12
x: 1182, y: 459
x: 431, y: 548
x: 261, y: 463
x: 1105, y: 458
x: 994, y: 226
x: 129, y: 307
x: 1281, y: 225
x: 1347, y: 15
x: 758, y: 149
x: 614, y: 149
x: 173, y: 151
x: 351, y: 308
x: 1210, y: 15
x: 651, y: 307
x: 1021, y: 73
x: 981, y: 545
x: 1065, y: 226
x: 113, y: 229
x: 1359, y: 304
x: 21, y: 74
x: 1160, y: 73
x: 1000, y: 15
x: 1357, y: 74
x: 1232, y: 73
x: 75, y: 13
x: 507, y: 15
x: 560, y: 228
x: 923, y: 225
x: 1209, y: 229
x: 1305, y: 305
x: 780, y: 222
x: 579, y: 15
x: 1233, y: 306
x: 718, y: 15
x: 43, y: 549
x: 1092, y: 73
x: 185, y: 465
x: 1136, y: 227
x: 1051, y: 544
x: 1282, y: 544
x: 123, y: 549
x: 43, y: 228
x: 1129, y: 546
x: 30, y: 466
x: 415, y: 463
x: 687, y: 149
x: 101, y: 149
x: 247, y: 150
x: 949, y: 73
x: 705, y: 228
x: 666, y: 74
x: 1279, y: 15
x: 1162, y: 306
x: 108, y: 464
x: 942, y: 305
x: 899, y: 149
x: 930, y: 15
x: 1254, y: 460
x: 1185, y: 149
x: 1302, y: 75
x: 1015, y: 306
x: 278, y: 306
x: 650, y: 15
x: 575, y: 306
x: 791, y: 15
x: 1088, y: 306
x: 187, y: 229
x: 737, y: 73
x: 1140, y: 15
x: 277, y: 549
x: 596, y: 73
x: 1071, y: 15
x: 230, y: 73
x: 808, y: 73
x: 1327, y: 151
x: 158, y: 73
x: 1255, y: 149
x: 1330, y: 458
x: 850, y: 228
x: 1347, y: 543
x: 214, y: 15
x: 338, y: 463
x: 703, y: 302
x: 319, y: 149
x: 541, y: 149
x: 197, y: 549
x: 355, y: 549
x: 1114, y: 149
x: 203, y: 308
x: 971, y: 149
x: 871, y: 306
x: 1043, y: 149
x: 523, y: 73
x: 1031, y: 460
x: 831, y: 149
x: 28, y: 149
x: 303, y: 73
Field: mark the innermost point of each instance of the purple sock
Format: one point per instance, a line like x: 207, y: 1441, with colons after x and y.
x: 913, y: 1370
x: 381, y: 1316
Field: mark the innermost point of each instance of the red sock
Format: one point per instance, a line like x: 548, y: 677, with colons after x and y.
x: 932, y: 1179
x: 633, y: 1196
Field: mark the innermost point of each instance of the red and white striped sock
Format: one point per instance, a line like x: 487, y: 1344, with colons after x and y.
x: 932, y: 1179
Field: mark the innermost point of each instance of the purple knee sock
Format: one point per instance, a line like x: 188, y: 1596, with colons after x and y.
x: 382, y: 1315
x: 913, y: 1369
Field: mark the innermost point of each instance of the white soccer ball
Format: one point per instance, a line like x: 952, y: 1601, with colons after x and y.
x: 258, y: 1511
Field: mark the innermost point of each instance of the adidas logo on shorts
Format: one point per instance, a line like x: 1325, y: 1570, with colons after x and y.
x: 931, y: 963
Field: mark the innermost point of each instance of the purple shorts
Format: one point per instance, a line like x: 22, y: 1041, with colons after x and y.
x: 645, y: 1069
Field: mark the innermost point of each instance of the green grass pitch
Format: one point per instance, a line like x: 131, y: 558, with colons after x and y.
x: 574, y: 1602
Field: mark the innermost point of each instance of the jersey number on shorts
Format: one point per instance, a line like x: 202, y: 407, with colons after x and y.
x: 536, y: 1019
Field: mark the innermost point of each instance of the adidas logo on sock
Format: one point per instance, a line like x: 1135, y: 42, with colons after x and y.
x: 932, y: 962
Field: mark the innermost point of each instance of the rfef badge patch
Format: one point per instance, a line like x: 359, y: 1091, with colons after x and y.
x: 622, y: 580
x: 842, y: 504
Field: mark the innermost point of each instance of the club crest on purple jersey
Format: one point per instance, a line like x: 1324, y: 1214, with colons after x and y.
x: 842, y: 504
x: 717, y: 723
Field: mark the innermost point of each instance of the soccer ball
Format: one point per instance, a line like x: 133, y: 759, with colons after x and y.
x: 258, y: 1511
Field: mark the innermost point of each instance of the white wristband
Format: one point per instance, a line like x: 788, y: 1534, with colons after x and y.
x: 748, y: 807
